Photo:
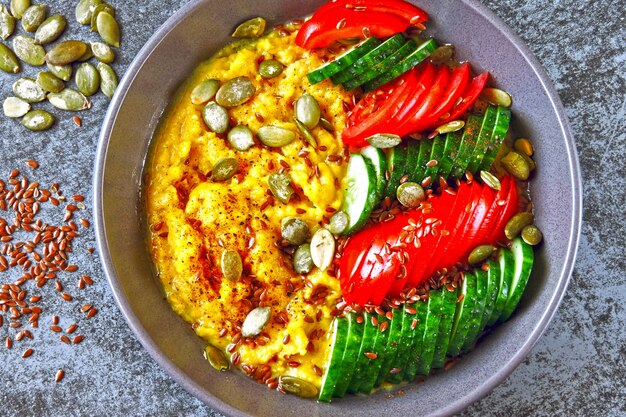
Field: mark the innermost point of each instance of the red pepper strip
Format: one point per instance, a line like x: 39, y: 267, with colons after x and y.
x: 510, y: 209
x: 458, y: 82
x: 469, y: 97
x: 401, y: 8
x: 322, y: 30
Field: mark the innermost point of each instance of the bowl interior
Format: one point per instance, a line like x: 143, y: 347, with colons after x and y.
x: 191, y: 36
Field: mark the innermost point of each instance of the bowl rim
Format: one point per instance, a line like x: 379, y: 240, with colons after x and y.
x: 198, y: 391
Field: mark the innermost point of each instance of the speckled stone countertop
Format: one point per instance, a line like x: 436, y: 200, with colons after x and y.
x: 577, y: 368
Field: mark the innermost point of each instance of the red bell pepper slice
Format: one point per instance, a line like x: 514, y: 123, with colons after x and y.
x: 406, y: 10
x: 469, y: 97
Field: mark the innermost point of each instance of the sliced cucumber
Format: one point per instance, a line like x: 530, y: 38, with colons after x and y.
x: 462, y: 318
x: 426, y: 147
x: 503, y: 120
x: 445, y: 327
x: 361, y: 362
x: 492, y: 292
x: 506, y: 262
x: 343, y: 61
x: 374, y: 366
x: 450, y: 150
x: 360, y: 195
x: 353, y: 345
x: 394, y: 342
x: 396, y: 164
x: 370, y: 59
x: 468, y: 143
x: 379, y: 161
x: 339, y: 329
x: 479, y: 308
x: 403, y: 356
x: 431, y: 334
x: 421, y: 53
x: 413, y: 149
x: 417, y: 344
x: 524, y: 257
x: 484, y: 139
x: 435, y: 156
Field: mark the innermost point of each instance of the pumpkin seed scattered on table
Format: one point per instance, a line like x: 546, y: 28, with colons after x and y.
x: 15, y: 107
x: 241, y: 138
x: 302, y: 261
x: 270, y: 68
x: 66, y: 52
x: 87, y: 79
x: 255, y: 321
x: 252, y: 28
x: 235, y: 92
x: 100, y: 8
x: 38, y: 120
x: 69, y: 99
x: 307, y: 110
x: 275, y: 136
x: 108, y: 79
x: 87, y: 55
x: 7, y: 23
x: 295, y: 230
x: 410, y: 194
x: 280, y: 186
x: 323, y: 248
x: 8, y: 60
x: 50, y: 29
x: 480, y: 253
x: 339, y: 222
x: 28, y: 90
x: 205, y: 91
x: 103, y: 52
x: 64, y: 72
x: 517, y: 223
x: 306, y: 133
x: 224, y: 169
x: 497, y: 97
x: 33, y: 17
x: 28, y: 50
x: 216, y: 117
x: 84, y: 10
x: 384, y: 140
x: 216, y: 358
x: 297, y: 386
x: 532, y: 235
x: 50, y: 82
x: 108, y: 29
x: 19, y: 7
x: 232, y: 267
x: 491, y: 180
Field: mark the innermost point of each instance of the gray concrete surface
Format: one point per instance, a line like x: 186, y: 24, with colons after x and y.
x: 577, y: 368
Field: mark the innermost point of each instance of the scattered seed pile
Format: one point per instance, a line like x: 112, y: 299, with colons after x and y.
x: 50, y: 84
x: 40, y: 253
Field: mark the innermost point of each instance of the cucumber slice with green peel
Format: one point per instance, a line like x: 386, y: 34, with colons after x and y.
x: 445, y: 327
x: 431, y: 334
x: 493, y: 275
x: 353, y: 345
x: 435, y: 157
x: 360, y: 195
x: 415, y: 350
x: 379, y: 161
x: 402, y: 358
x: 426, y: 147
x: 370, y: 59
x: 361, y: 361
x: 420, y: 54
x: 413, y: 149
x: 343, y: 61
x: 339, y: 331
x: 503, y: 121
x: 396, y: 164
x: 479, y: 308
x: 524, y: 257
x: 382, y: 67
x: 453, y: 140
x: 375, y: 365
x: 484, y: 139
x: 462, y: 320
x: 394, y: 342
x: 468, y: 143
x: 506, y: 262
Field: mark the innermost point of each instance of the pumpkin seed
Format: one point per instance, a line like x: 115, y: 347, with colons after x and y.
x: 224, y: 169
x: 235, y: 92
x: 339, y: 222
x: 326, y: 124
x: 275, y: 136
x: 50, y: 29
x: 15, y: 107
x: 255, y: 321
x: 108, y: 29
x: 480, y: 253
x: 302, y: 261
x: 516, y: 165
x: 19, y: 7
x: 322, y: 248
x: 384, y: 140
x: 442, y: 54
x: 69, y: 99
x: 295, y: 230
x: 7, y: 23
x: 87, y: 79
x: 28, y: 51
x: 28, y: 90
x: 50, y: 82
x: 64, y: 72
x: 410, y: 194
x: 87, y: 55
x: 450, y: 127
x: 517, y: 223
x: 280, y: 186
x: 531, y: 164
x: 532, y: 235
x: 38, y: 120
x: 66, y: 52
x: 241, y: 138
x: 205, y: 91
x: 497, y: 97
x: 232, y: 267
x: 297, y: 386
x: 103, y: 52
x: 108, y: 79
x: 33, y: 17
x: 84, y: 10
x: 102, y: 7
x: 307, y: 110
x: 523, y: 146
x: 216, y: 358
x: 216, y: 117
x: 306, y: 133
x: 491, y: 180
x: 270, y: 68
x: 252, y: 28
x: 8, y: 60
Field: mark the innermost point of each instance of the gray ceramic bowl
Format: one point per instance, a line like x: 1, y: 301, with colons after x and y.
x: 192, y: 35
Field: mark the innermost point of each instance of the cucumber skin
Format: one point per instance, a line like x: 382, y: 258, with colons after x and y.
x: 479, y: 309
x: 493, y: 288
x: 402, y: 359
x: 503, y: 120
x: 415, y: 349
x: 328, y: 70
x: 380, y: 349
x: 469, y: 302
x: 372, y: 196
x: 422, y: 157
x: 468, y: 143
x: 393, y: 345
x: 333, y: 368
x: 506, y: 263
x: 397, y: 160
x: 380, y: 167
x: 445, y: 328
x: 524, y: 257
x: 431, y: 334
x: 353, y: 344
x: 367, y: 345
x: 450, y: 151
x: 435, y: 155
x: 484, y: 139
